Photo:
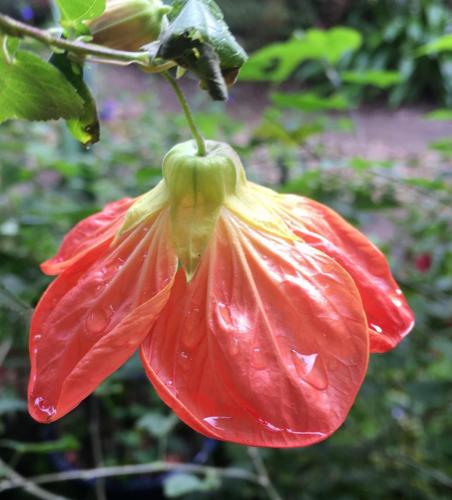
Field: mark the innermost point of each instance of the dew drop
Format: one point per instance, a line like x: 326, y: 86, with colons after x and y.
x: 270, y: 426
x: 376, y: 328
x: 217, y: 422
x: 43, y: 408
x: 184, y: 356
x: 233, y: 319
x: 234, y: 347
x: 397, y: 302
x: 98, y: 320
x: 310, y: 368
x: 258, y: 360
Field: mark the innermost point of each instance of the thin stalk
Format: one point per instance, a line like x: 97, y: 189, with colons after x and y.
x: 202, y: 151
x: 10, y: 26
x: 96, y: 445
x: 16, y: 481
x: 27, y: 485
x: 264, y: 477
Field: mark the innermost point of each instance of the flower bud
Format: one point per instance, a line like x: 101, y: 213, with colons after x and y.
x: 128, y: 24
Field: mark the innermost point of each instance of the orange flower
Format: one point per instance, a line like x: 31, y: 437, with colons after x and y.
x: 254, y: 312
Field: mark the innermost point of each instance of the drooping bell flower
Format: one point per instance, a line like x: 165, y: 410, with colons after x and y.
x: 254, y: 312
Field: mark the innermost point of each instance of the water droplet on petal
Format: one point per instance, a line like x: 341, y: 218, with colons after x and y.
x: 44, y: 408
x: 376, y: 328
x: 258, y: 359
x: 270, y: 426
x: 232, y: 319
x: 397, y: 302
x: 310, y: 368
x: 98, y: 320
x: 217, y: 422
x: 234, y: 347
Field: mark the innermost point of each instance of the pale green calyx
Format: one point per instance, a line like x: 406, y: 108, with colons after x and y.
x: 202, y: 181
x: 198, y: 186
x: 197, y: 190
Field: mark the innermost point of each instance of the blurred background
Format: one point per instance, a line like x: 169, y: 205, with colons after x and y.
x: 360, y: 119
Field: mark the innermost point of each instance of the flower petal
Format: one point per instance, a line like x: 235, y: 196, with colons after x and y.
x: 266, y: 346
x: 88, y: 234
x: 94, y: 316
x: 389, y: 317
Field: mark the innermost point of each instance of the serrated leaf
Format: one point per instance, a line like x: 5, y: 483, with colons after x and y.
x: 207, y: 18
x: 375, y: 78
x: 80, y: 10
x: 278, y: 61
x: 33, y: 89
x: 310, y: 102
x: 86, y: 128
x: 198, y: 39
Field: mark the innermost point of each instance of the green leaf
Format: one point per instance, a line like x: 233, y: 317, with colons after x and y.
x: 198, y: 39
x: 278, y: 61
x: 274, y: 129
x: 205, y: 17
x: 157, y: 425
x: 80, y: 10
x: 440, y: 115
x: 33, y: 89
x: 376, y: 78
x: 179, y: 484
x: 311, y: 102
x: 66, y: 443
x: 443, y: 146
x: 86, y: 128
x: 443, y: 44
x: 430, y: 184
x: 362, y: 164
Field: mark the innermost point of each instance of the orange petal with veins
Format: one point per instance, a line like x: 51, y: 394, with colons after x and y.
x: 93, y: 232
x: 389, y: 316
x: 96, y: 314
x: 266, y: 346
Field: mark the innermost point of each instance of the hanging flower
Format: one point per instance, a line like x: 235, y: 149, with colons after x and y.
x: 254, y: 312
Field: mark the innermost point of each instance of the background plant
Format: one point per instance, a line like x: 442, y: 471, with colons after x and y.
x: 397, y: 441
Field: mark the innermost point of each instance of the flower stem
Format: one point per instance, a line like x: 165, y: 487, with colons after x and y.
x: 9, y: 26
x: 202, y: 151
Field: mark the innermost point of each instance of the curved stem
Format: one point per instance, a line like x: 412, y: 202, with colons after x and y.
x: 202, y: 151
x: 10, y: 26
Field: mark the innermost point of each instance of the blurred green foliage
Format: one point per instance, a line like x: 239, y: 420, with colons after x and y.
x: 397, y: 441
